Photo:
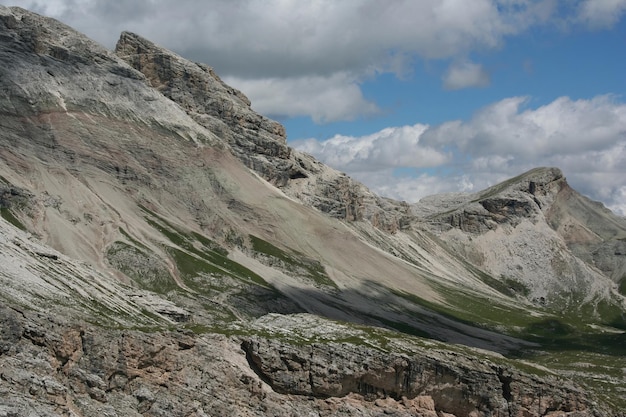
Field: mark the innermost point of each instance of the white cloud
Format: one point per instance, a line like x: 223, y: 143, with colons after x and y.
x: 298, y: 58
x: 562, y: 127
x: 465, y: 74
x: 413, y: 188
x: 601, y: 13
x: 389, y: 148
x: 585, y: 138
x: 325, y: 99
x: 618, y: 200
x: 291, y: 37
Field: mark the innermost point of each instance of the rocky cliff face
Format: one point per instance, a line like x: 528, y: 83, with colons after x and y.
x: 453, y: 384
x: 258, y: 142
x: 176, y: 257
x: 54, y: 367
x: 513, y: 217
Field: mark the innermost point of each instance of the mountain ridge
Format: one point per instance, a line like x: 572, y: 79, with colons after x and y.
x: 169, y: 207
x: 539, y: 196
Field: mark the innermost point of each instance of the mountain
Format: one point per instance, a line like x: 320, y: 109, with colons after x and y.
x: 165, y: 252
x: 556, y: 245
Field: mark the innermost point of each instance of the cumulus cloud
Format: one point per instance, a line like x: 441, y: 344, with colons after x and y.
x: 389, y: 148
x: 291, y: 37
x: 295, y: 58
x: 412, y: 188
x: 465, y: 74
x: 563, y: 127
x: 601, y: 13
x: 324, y: 99
x: 585, y: 138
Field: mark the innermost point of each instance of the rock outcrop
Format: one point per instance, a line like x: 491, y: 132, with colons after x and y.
x: 523, y: 197
x: 54, y: 367
x: 258, y: 142
x: 533, y: 220
x: 455, y: 384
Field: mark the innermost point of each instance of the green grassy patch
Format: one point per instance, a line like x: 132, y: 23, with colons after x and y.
x: 190, y: 266
x: 549, y: 328
x: 295, y: 262
x: 194, y: 262
x: 145, y: 269
x: 515, y: 286
x: 472, y: 309
x: 608, y: 313
x: 131, y: 239
x: 10, y: 217
x: 197, y: 254
x: 553, y: 331
x: 622, y: 286
x: 496, y: 284
x: 403, y: 328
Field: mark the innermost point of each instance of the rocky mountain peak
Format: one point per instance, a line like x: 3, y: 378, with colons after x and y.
x: 256, y: 140
x: 31, y: 32
x: 541, y: 183
x: 195, y: 86
x: 526, y: 195
x: 540, y: 175
x: 260, y: 143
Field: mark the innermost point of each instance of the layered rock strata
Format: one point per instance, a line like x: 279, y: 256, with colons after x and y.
x: 258, y: 142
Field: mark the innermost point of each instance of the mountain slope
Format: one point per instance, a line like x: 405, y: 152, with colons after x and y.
x: 159, y: 204
x: 534, y: 219
x: 115, y: 174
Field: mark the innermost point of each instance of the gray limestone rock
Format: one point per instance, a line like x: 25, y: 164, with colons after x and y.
x: 55, y: 368
x: 258, y: 142
x: 458, y: 385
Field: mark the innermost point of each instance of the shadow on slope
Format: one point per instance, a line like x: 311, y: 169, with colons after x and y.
x: 518, y: 333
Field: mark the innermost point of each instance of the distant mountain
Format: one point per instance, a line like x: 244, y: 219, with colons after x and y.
x: 556, y: 245
x: 177, y: 257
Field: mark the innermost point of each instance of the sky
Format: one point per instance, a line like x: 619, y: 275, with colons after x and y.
x: 410, y: 97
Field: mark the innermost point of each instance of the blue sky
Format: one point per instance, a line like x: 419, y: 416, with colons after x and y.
x: 411, y: 97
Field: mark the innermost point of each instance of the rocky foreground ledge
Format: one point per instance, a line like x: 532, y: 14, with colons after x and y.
x: 452, y: 383
x: 54, y: 368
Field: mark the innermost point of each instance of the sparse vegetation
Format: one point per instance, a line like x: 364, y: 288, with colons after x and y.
x: 146, y: 270
x: 515, y: 286
x: 197, y: 254
x: 185, y: 281
x: 295, y: 263
x: 131, y: 239
x: 8, y: 216
x: 622, y: 286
